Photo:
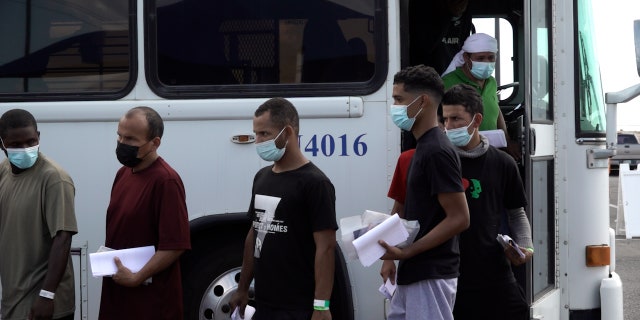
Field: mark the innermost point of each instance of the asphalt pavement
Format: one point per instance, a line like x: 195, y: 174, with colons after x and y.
x: 627, y: 259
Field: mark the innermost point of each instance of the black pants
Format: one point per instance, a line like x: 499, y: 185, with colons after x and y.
x: 506, y: 302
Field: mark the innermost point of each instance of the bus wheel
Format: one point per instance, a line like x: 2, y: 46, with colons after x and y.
x: 210, y: 282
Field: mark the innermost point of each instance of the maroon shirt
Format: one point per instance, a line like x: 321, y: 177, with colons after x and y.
x: 147, y: 208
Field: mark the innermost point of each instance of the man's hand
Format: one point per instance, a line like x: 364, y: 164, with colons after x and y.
x: 124, y: 276
x: 321, y: 315
x: 239, y: 299
x: 42, y: 309
x: 515, y: 258
x: 388, y: 271
x: 393, y: 253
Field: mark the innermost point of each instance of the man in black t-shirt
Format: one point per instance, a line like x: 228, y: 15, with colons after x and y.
x: 290, y: 247
x: 428, y: 268
x: 493, y: 186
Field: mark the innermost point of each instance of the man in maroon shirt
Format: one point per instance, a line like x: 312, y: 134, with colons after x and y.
x: 147, y: 207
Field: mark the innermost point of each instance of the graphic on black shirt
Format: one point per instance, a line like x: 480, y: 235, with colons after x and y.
x: 474, y: 187
x: 265, y: 209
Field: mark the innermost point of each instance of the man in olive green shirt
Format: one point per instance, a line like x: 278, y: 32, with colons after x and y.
x: 37, y: 221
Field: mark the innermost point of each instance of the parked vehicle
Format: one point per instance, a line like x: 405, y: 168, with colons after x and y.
x: 627, y: 151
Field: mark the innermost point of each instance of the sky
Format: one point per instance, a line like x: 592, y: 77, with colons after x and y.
x: 616, y: 52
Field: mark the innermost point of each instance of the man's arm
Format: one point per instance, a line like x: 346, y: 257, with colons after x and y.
x: 57, y: 263
x: 241, y: 296
x: 158, y: 262
x: 521, y: 232
x: 398, y: 207
x: 324, y: 268
x: 456, y: 220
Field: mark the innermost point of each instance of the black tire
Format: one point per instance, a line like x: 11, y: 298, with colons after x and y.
x: 210, y: 277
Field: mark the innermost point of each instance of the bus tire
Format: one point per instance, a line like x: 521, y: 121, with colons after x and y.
x: 209, y: 279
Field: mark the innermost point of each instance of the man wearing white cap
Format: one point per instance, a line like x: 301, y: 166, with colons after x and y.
x: 474, y: 65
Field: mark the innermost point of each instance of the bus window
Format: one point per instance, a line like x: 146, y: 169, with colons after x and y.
x: 257, y: 42
x: 590, y: 120
x: 66, y: 46
x: 502, y: 30
x: 540, y: 96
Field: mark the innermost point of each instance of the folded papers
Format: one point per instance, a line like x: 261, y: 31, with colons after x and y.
x: 506, y: 241
x: 391, y: 231
x: 387, y: 289
x: 248, y: 313
x: 134, y: 259
x: 496, y: 138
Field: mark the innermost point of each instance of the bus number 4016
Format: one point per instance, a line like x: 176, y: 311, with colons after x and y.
x: 326, y: 145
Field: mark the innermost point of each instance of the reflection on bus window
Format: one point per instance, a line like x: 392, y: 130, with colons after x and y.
x: 71, y: 46
x: 231, y: 42
x: 540, y: 96
x: 591, y: 121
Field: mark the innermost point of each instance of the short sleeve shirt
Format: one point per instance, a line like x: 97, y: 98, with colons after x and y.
x: 492, y: 185
x: 435, y: 169
x: 286, y: 208
x: 34, y: 206
x: 147, y: 208
x: 398, y: 187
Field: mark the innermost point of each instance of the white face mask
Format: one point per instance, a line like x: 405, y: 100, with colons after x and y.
x: 268, y: 151
x: 400, y: 118
x: 482, y: 70
x: 460, y: 137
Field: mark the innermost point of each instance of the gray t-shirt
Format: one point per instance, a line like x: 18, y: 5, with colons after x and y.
x: 34, y: 206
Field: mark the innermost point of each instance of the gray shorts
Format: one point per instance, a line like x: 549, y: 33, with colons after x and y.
x: 424, y: 300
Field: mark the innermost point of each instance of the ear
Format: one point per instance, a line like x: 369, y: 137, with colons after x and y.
x: 156, y: 142
x: 478, y: 120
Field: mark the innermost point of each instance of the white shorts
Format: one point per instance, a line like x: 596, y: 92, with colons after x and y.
x: 431, y: 299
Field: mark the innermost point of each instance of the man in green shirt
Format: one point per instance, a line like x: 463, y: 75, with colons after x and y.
x: 37, y: 221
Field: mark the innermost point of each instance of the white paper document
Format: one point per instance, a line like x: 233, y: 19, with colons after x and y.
x: 134, y: 259
x: 506, y: 241
x: 496, y: 138
x: 387, y: 289
x: 391, y: 231
x: 248, y: 313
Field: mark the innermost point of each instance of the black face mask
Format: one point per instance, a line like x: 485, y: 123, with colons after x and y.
x: 127, y: 155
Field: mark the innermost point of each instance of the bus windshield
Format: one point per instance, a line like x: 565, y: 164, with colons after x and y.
x: 590, y: 113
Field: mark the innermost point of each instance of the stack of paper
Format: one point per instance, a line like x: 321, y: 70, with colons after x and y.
x: 391, y: 231
x: 134, y: 259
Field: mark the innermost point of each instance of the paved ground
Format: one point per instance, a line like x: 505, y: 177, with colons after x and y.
x: 627, y: 260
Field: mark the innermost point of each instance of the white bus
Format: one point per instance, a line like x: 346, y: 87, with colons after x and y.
x: 206, y: 65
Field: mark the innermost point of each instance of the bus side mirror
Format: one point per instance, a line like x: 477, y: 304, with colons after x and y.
x: 636, y: 36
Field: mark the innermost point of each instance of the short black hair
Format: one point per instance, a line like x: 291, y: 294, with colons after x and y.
x: 154, y: 121
x: 16, y: 118
x: 421, y: 78
x: 464, y: 95
x: 282, y: 112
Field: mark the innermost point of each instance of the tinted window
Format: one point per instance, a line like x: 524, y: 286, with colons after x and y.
x: 260, y: 42
x: 65, y: 46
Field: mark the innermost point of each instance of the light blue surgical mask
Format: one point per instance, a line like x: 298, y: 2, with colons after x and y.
x: 400, y: 118
x: 268, y: 151
x: 482, y: 70
x: 23, y: 158
x: 460, y: 137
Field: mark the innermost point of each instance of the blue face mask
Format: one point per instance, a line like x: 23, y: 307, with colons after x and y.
x: 23, y: 158
x: 460, y: 137
x: 482, y: 70
x: 400, y: 117
x: 268, y: 151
